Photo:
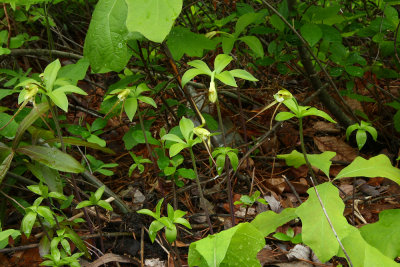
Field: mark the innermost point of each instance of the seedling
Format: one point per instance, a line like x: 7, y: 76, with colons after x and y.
x: 361, y: 136
x: 248, y: 201
x: 289, y: 236
x: 168, y: 223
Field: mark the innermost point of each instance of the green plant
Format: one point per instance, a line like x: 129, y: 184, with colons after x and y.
x: 99, y: 166
x: 139, y: 160
x: 220, y: 153
x: 248, y: 201
x: 168, y: 223
x: 361, y: 136
x: 95, y: 200
x: 289, y: 236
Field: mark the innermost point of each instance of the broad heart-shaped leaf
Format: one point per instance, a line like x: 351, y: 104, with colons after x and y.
x: 378, y: 166
x: 130, y: 107
x: 254, y: 44
x: 50, y: 74
x: 105, y: 43
x: 311, y: 33
x: 320, y: 161
x: 317, y: 233
x: 182, y: 41
x: 190, y: 74
x: 237, y: 246
x: 152, y: 18
x: 29, y: 120
x: 383, y: 234
x: 362, y: 253
x: 52, y: 157
x: 221, y: 61
x: 238, y: 73
x: 267, y: 221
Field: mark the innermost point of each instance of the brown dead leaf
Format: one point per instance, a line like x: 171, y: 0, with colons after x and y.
x: 276, y: 184
x: 322, y: 127
x: 353, y: 104
x: 288, y: 135
x: 344, y: 152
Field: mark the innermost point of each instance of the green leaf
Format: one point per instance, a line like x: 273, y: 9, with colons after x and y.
x: 105, y: 43
x: 361, y: 138
x: 200, y: 65
x: 186, y: 126
x: 85, y: 203
x: 46, y: 213
x: 53, y: 158
x: 354, y: 71
x: 130, y: 107
x: 5, y: 165
x: 170, y: 234
x: 99, y: 192
x: 155, y: 226
x: 316, y: 112
x: 228, y: 43
x: 378, y: 166
x: 183, y: 221
x: 238, y: 73
x: 11, y: 129
x: 220, y: 163
x: 148, y: 100
x: 78, y: 142
x: 60, y: 99
x: 267, y: 221
x: 4, y: 236
x: 182, y: 41
x: 27, y: 223
x: 50, y: 74
x: 220, y: 62
x: 105, y: 205
x: 363, y: 254
x: 381, y: 234
x: 147, y: 212
x: 315, y: 224
x: 254, y: 44
x: 173, y: 138
x: 234, y: 160
x: 176, y: 148
x: 283, y: 116
x: 74, y: 72
x: 190, y: 74
x: 320, y: 161
x: 152, y: 18
x: 244, y: 21
x: 226, y: 248
x: 70, y: 89
x: 311, y: 33
x: 96, y: 140
x: 227, y: 78
x: 75, y: 238
x: 187, y: 173
x: 29, y: 120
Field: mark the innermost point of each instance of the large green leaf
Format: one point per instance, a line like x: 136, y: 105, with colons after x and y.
x: 78, y: 142
x: 267, y: 221
x: 105, y: 43
x: 50, y: 74
x: 254, y: 44
x: 227, y: 248
x: 152, y: 18
x: 383, y: 234
x: 53, y: 158
x: 311, y: 33
x: 379, y: 166
x: 363, y: 254
x: 315, y: 224
x: 320, y: 161
x: 182, y: 41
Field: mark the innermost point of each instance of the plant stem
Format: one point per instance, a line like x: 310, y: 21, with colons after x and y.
x: 202, y: 199
x: 56, y: 122
x: 312, y: 178
x: 227, y: 162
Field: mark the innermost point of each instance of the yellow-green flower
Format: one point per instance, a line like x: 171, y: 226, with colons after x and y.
x: 212, y: 92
